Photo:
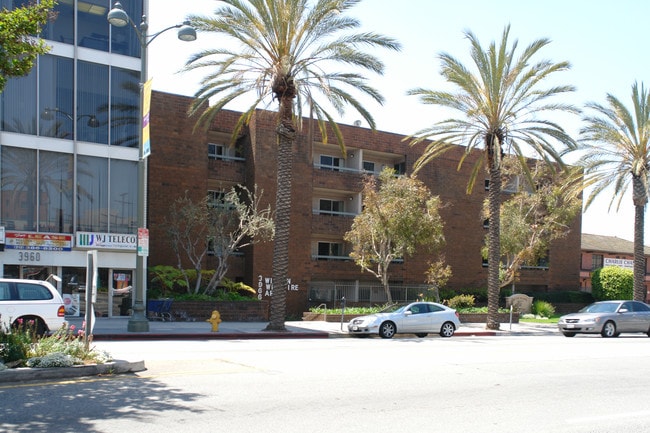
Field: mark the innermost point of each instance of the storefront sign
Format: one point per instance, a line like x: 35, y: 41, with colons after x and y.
x: 621, y: 263
x: 106, y: 241
x: 37, y: 241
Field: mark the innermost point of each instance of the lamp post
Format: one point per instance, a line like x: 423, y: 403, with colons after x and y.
x: 119, y: 18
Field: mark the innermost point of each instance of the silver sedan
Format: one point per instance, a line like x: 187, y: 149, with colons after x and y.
x: 607, y: 318
x: 419, y: 318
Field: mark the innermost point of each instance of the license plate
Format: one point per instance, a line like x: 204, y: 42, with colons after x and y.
x: 570, y: 326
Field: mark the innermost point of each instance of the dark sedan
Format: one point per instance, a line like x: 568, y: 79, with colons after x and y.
x: 607, y: 318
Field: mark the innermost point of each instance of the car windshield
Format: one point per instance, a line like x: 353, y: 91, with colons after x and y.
x: 606, y: 307
x: 397, y: 308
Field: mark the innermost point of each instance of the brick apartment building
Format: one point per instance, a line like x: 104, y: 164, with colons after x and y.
x: 599, y: 251
x: 326, y: 194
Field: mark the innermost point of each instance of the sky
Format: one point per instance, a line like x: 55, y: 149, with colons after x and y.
x: 605, y: 42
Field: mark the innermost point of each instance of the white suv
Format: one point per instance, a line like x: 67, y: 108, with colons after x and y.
x: 22, y: 301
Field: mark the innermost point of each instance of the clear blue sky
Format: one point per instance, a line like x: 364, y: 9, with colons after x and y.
x: 605, y: 41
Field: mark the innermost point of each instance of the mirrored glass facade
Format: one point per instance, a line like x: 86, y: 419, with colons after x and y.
x: 84, y: 93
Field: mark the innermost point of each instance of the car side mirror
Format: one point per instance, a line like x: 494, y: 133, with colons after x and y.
x: 408, y: 313
x: 623, y: 310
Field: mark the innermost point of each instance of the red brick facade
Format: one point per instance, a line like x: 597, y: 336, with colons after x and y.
x: 179, y: 163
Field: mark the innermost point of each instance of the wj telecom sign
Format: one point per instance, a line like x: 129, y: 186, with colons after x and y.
x: 106, y: 241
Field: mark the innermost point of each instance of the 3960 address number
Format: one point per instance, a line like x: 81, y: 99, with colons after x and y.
x: 29, y: 256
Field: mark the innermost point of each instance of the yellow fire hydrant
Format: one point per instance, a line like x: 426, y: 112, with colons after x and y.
x: 215, y: 319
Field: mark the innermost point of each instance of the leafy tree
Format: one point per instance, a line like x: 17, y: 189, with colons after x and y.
x: 195, y: 229
x: 535, y: 215
x: 612, y: 283
x: 399, y: 215
x: 501, y: 105
x: 286, y: 52
x: 19, y: 46
x: 617, y: 141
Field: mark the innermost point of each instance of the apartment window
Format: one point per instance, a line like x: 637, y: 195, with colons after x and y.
x: 596, y: 261
x: 330, y: 206
x: 400, y: 168
x: 369, y: 166
x: 487, y: 184
x: 329, y: 249
x: 328, y: 162
x: 216, y: 198
x: 216, y: 151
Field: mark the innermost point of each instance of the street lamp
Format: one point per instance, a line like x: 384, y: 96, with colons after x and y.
x: 119, y: 18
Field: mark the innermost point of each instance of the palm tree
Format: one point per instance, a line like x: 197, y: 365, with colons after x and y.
x: 501, y: 104
x: 617, y: 141
x: 285, y: 50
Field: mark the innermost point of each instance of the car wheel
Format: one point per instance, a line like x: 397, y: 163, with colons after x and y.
x: 35, y: 323
x: 387, y: 330
x: 421, y: 335
x: 447, y: 329
x: 569, y: 334
x: 609, y: 330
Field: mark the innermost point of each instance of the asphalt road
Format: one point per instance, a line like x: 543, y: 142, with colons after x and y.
x: 470, y: 384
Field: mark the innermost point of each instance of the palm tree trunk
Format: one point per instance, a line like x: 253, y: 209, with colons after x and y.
x: 640, y: 199
x: 286, y: 137
x: 494, y: 247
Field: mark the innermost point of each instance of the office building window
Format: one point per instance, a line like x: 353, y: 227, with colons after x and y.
x: 596, y: 261
x: 125, y: 107
x: 56, y: 97
x: 92, y: 25
x: 92, y: 99
x: 19, y: 104
x: 56, y: 192
x: 124, y: 196
x: 123, y: 39
x: 19, y: 188
x: 92, y: 194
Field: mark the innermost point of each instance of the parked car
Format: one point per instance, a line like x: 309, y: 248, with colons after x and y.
x: 607, y: 318
x: 419, y: 318
x: 22, y: 301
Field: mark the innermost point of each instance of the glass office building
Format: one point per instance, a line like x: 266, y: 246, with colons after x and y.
x: 69, y: 150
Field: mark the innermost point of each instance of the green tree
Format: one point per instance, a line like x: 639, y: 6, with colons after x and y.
x: 535, y: 215
x: 399, y: 214
x: 19, y: 46
x: 617, y: 142
x: 501, y: 105
x: 222, y: 228
x: 286, y: 50
x: 612, y: 283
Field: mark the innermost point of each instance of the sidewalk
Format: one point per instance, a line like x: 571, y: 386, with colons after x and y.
x: 116, y: 329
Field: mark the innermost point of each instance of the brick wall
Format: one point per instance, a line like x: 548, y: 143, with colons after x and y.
x: 179, y: 162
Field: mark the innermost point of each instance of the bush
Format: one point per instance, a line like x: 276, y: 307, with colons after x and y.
x: 612, y: 282
x: 461, y: 301
x: 564, y: 296
x: 543, y: 308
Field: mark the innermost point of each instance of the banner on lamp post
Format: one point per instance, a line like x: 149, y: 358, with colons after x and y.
x: 146, y: 110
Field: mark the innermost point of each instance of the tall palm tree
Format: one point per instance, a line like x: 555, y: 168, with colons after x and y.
x: 286, y: 50
x: 501, y: 105
x: 617, y: 141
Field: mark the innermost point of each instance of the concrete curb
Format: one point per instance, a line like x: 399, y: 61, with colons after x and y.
x: 32, y: 374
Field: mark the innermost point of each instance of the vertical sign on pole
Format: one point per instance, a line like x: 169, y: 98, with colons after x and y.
x: 91, y: 294
x: 146, y: 109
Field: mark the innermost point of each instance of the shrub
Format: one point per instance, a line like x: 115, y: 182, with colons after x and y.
x: 543, y: 308
x: 15, y: 342
x: 461, y: 301
x: 612, y: 282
